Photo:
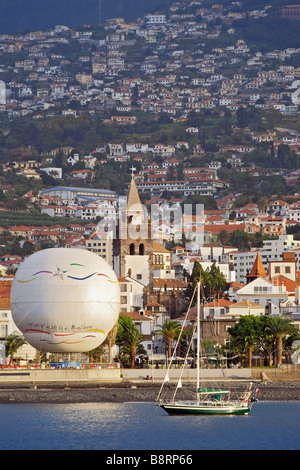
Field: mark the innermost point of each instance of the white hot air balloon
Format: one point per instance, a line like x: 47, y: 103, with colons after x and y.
x: 65, y: 300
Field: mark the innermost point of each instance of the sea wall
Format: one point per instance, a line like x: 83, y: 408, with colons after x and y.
x: 189, y: 374
x: 290, y: 372
x: 286, y: 372
x: 60, y: 375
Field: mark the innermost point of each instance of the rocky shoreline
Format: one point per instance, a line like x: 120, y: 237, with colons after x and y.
x: 124, y: 392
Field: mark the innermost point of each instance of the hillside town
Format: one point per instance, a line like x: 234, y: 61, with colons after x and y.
x: 201, y: 138
x: 154, y: 280
x: 158, y: 65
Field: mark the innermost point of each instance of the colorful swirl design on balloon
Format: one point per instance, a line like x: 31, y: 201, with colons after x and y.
x: 61, y: 335
x: 60, y: 273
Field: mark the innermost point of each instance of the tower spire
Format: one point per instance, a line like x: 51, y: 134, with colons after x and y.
x: 134, y: 204
x: 257, y: 270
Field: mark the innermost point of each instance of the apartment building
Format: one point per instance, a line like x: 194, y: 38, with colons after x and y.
x: 100, y: 243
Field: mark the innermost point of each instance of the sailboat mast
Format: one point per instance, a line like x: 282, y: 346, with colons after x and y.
x: 198, y: 339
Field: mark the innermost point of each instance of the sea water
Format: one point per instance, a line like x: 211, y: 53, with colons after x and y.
x: 143, y: 426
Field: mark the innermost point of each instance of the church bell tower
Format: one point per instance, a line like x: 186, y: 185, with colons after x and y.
x: 133, y: 246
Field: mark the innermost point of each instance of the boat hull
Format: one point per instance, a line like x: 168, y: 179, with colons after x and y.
x: 176, y: 408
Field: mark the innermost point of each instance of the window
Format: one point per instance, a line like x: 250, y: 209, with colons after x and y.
x: 142, y: 249
x: 132, y: 249
x: 139, y: 276
x: 287, y: 269
x: 123, y: 299
x: 261, y: 289
x: 123, y: 287
x: 3, y: 330
x: 277, y: 269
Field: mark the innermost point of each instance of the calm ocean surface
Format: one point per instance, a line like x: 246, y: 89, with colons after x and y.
x: 142, y: 426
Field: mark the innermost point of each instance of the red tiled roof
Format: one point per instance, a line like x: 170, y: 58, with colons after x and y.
x: 219, y: 303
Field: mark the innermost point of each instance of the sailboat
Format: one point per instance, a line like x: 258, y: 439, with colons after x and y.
x: 208, y: 401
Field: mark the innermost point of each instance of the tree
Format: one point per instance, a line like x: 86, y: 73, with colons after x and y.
x: 223, y: 238
x: 13, y: 342
x: 242, y: 117
x: 132, y: 343
x: 240, y: 239
x: 95, y: 355
x: 280, y: 328
x: 129, y: 339
x: 245, y: 334
x: 169, y: 330
x: 262, y: 334
x: 213, y: 281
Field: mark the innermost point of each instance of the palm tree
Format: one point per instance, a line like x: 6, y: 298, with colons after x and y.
x: 13, y: 342
x: 280, y: 328
x: 131, y: 341
x: 250, y: 342
x: 169, y: 330
x: 223, y: 238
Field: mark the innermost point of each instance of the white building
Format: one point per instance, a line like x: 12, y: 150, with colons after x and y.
x: 69, y: 194
x: 246, y: 307
x: 283, y: 243
x: 264, y: 293
x: 216, y: 308
x: 155, y: 19
x: 243, y: 261
x: 131, y: 294
x: 53, y: 171
x: 59, y: 211
x: 294, y: 212
x: 137, y: 147
x: 100, y: 243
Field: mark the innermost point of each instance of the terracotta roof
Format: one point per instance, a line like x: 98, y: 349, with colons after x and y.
x: 246, y: 303
x: 170, y: 283
x: 219, y: 303
x: 5, y: 303
x: 5, y: 287
x: 228, y: 227
x: 136, y: 316
x: 288, y: 283
x: 236, y: 284
x: 215, y: 217
x: 122, y: 279
x: 158, y: 247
